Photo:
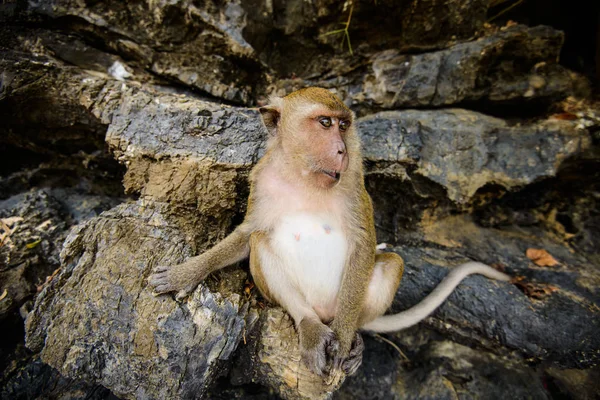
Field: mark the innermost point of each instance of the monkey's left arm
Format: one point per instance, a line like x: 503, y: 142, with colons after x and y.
x: 357, y: 276
x: 183, y: 278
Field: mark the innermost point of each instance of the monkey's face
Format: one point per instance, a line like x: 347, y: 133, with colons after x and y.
x: 312, y: 129
x: 315, y: 142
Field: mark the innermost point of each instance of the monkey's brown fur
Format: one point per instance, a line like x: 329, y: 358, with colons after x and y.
x: 307, y: 195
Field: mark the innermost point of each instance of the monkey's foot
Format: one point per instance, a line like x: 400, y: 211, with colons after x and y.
x: 317, y: 341
x: 182, y: 278
x: 351, y: 363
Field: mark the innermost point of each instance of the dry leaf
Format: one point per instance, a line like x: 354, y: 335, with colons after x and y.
x: 43, y: 225
x: 5, y: 224
x: 11, y: 220
x: 541, y: 258
x: 248, y: 288
x: 564, y: 116
x: 3, y: 236
x: 4, y: 294
x: 537, y: 291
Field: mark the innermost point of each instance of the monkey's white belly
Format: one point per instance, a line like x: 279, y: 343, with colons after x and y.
x: 312, y: 251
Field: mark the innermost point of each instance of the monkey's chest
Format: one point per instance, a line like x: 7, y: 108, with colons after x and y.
x: 312, y: 249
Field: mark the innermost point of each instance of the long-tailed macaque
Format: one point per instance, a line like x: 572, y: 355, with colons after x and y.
x: 310, y: 236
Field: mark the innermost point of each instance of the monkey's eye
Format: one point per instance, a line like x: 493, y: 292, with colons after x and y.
x: 325, y: 121
x: 344, y: 125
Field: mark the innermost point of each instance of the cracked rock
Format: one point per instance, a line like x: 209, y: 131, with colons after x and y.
x: 98, y: 321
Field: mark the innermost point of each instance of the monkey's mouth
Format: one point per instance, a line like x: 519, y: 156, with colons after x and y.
x: 332, y: 174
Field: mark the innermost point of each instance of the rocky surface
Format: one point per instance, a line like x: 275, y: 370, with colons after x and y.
x: 116, y: 331
x: 34, y: 225
x: 478, y: 143
x: 37, y: 378
x: 505, y: 68
x: 463, y: 151
x: 178, y: 41
x: 438, y: 370
x: 548, y: 314
x: 49, y: 138
x: 517, y: 63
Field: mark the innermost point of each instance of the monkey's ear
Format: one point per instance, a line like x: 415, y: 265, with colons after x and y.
x: 270, y: 117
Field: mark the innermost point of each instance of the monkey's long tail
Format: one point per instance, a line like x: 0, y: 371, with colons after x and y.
x: 414, y: 315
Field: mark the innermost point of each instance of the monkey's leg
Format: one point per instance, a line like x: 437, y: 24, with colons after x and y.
x: 383, y: 285
x: 317, y: 340
x: 255, y: 269
x: 184, y: 278
x: 417, y: 313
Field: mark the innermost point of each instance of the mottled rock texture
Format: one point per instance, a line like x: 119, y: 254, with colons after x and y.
x: 101, y: 323
x: 463, y: 151
x: 518, y: 63
x: 130, y: 128
x: 505, y: 68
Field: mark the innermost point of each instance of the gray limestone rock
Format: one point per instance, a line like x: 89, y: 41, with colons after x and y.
x: 200, y: 46
x: 187, y: 159
x: 418, y: 364
x: 98, y: 321
x: 545, y: 313
x: 518, y: 64
x: 33, y: 226
x: 463, y: 150
x: 512, y: 66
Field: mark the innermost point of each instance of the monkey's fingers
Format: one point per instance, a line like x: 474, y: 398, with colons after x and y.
x: 332, y: 349
x: 158, y: 290
x: 350, y: 365
x: 160, y: 268
x: 157, y: 277
x: 316, y: 359
x: 160, y: 282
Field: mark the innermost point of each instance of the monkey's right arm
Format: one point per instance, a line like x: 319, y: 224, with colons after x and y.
x: 184, y: 278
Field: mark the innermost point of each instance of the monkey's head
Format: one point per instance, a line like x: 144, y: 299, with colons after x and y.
x: 314, y: 130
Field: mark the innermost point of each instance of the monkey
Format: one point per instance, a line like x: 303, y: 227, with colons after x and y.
x: 309, y: 233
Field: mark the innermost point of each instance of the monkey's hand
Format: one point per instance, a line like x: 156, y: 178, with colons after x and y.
x: 351, y: 363
x: 317, y: 342
x: 182, y: 278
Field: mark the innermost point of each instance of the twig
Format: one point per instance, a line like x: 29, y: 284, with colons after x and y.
x: 378, y: 336
x: 507, y: 9
x: 344, y: 30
